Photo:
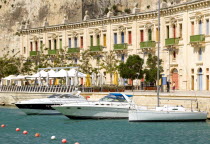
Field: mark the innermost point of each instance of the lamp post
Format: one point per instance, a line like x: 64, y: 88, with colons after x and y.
x: 158, y: 50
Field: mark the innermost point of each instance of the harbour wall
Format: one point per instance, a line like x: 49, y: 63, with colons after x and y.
x: 148, y: 99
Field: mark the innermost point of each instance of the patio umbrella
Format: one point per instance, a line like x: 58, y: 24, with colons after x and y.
x: 87, y: 83
x: 93, y: 78
x: 115, y: 78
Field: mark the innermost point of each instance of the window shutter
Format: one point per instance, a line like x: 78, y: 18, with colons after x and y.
x: 129, y: 38
x: 142, y: 35
x: 81, y: 42
x: 105, y: 40
x: 31, y: 46
x: 98, y: 40
x: 75, y: 42
x: 122, y: 38
x: 115, y: 38
x: 69, y: 42
x: 91, y: 40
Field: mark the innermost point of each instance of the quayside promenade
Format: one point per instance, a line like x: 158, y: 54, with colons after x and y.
x: 196, y: 100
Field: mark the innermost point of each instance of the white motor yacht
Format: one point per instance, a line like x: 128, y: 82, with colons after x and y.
x: 166, y: 113
x: 43, y: 105
x: 112, y: 106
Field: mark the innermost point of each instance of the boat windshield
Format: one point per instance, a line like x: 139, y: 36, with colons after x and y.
x: 113, y: 98
x: 54, y: 96
x: 69, y: 96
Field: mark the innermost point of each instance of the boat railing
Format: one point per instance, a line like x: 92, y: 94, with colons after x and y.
x: 43, y: 89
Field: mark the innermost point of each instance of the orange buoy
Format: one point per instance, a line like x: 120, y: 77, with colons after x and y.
x: 64, y: 141
x: 76, y: 143
x: 37, y: 135
x: 17, y: 129
x: 25, y: 132
x: 3, y: 125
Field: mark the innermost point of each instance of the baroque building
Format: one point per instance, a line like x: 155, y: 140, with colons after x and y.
x: 184, y: 39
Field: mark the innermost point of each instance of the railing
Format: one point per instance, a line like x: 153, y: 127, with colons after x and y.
x: 120, y: 46
x: 96, y: 48
x: 148, y: 44
x: 197, y: 38
x: 33, y: 53
x: 73, y: 50
x: 171, y: 41
x: 52, y: 52
x: 52, y: 88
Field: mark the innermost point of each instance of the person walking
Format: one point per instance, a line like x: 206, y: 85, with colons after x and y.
x: 174, y: 86
x: 168, y: 86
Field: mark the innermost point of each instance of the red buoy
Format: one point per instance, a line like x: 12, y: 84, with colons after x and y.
x: 87, y: 97
x: 25, y: 132
x: 3, y: 125
x: 17, y: 129
x: 64, y: 141
x: 37, y: 135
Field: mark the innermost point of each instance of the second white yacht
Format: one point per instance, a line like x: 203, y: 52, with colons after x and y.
x: 112, y: 106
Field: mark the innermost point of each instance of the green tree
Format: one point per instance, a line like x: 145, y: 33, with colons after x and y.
x: 132, y: 68
x: 7, y: 66
x: 85, y: 62
x: 151, y: 71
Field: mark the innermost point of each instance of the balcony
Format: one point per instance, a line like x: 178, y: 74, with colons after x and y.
x: 73, y: 50
x: 120, y: 46
x: 148, y: 44
x: 34, y: 53
x: 171, y: 41
x: 95, y: 48
x: 52, y: 52
x: 197, y: 38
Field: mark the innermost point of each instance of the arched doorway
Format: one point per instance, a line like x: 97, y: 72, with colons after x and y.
x: 200, y: 79
x: 175, y: 78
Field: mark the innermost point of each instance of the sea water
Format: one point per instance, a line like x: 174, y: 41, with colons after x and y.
x: 97, y: 131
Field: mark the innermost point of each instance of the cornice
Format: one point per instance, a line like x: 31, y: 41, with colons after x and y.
x: 190, y: 6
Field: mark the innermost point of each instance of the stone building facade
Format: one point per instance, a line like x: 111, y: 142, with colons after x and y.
x: 184, y: 39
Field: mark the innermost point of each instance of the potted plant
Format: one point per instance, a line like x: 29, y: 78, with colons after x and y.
x: 112, y: 88
x: 105, y: 88
x: 96, y: 89
x: 120, y: 88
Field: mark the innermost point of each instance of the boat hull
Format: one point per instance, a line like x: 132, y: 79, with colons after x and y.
x: 37, y: 109
x: 150, y: 116
x: 88, y: 112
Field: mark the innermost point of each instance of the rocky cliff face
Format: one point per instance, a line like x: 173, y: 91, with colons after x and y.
x: 15, y: 12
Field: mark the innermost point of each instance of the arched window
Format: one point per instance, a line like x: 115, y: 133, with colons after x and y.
x: 200, y: 71
x: 174, y: 71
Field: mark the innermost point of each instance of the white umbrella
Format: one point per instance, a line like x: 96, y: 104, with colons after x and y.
x: 51, y: 73
x: 93, y: 78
